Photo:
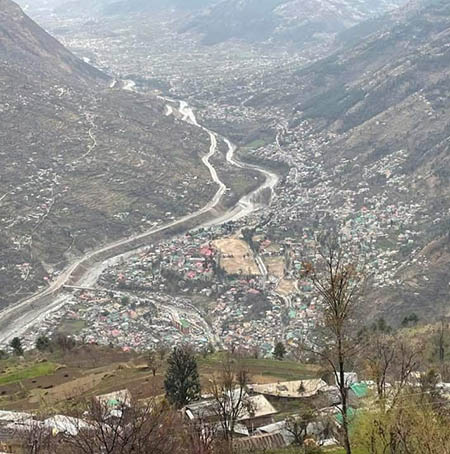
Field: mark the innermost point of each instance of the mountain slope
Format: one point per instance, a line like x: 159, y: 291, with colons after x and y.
x: 374, y: 122
x: 115, y: 7
x: 82, y: 164
x: 138, y: 6
x: 23, y: 42
x: 298, y: 21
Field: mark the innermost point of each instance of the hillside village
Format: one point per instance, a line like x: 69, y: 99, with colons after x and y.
x: 255, y: 430
x: 190, y: 290
x: 276, y: 414
x: 249, y: 292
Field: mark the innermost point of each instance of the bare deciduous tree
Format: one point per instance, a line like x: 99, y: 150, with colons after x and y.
x: 297, y: 425
x: 202, y: 437
x: 407, y: 362
x: 412, y: 428
x: 153, y: 361
x: 36, y: 438
x: 380, y: 357
x: 338, y: 279
x: 96, y: 428
x: 137, y: 429
x: 229, y: 391
x: 390, y: 362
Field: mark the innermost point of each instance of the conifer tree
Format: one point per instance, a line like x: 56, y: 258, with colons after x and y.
x: 182, y: 383
x: 279, y: 351
x: 16, y: 345
x: 43, y: 343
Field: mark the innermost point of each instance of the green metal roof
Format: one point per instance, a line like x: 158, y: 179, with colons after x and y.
x: 351, y: 413
x: 360, y: 389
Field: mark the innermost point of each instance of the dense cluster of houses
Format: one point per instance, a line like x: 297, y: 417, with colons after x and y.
x: 377, y: 209
x: 132, y: 322
x: 179, y: 291
x: 266, y: 418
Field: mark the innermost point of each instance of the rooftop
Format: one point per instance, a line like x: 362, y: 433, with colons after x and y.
x: 291, y: 389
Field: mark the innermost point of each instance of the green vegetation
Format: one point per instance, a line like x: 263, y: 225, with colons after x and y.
x: 71, y: 327
x: 282, y: 370
x: 279, y: 351
x: 16, y: 345
x: 182, y: 382
x: 42, y: 343
x: 418, y: 427
x: 256, y: 144
x: 36, y: 370
x: 412, y: 319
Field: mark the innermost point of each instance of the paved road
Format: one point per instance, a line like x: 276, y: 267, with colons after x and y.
x: 15, y: 320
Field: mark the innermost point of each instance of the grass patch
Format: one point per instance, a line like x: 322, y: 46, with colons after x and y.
x: 283, y: 370
x: 245, y: 155
x: 72, y: 327
x: 34, y: 371
x: 255, y: 144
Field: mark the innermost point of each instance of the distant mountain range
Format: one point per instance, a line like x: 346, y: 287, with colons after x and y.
x: 283, y: 21
x: 111, y: 7
x: 130, y: 6
x: 297, y: 21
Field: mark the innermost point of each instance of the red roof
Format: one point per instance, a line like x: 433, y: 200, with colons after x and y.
x: 205, y: 250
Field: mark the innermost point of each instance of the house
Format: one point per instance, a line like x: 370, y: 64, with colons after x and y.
x: 14, y: 436
x: 204, y: 411
x: 7, y: 417
x: 318, y: 430
x: 349, y: 378
x: 260, y: 412
x: 257, y: 412
x: 115, y: 402
x: 277, y: 427
x: 298, y: 389
x: 115, y: 399
x: 12, y: 423
x: 260, y: 442
x: 331, y: 395
x: 65, y: 425
x: 356, y: 392
x: 351, y: 414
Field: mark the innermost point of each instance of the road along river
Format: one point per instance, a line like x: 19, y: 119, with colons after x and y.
x: 15, y: 320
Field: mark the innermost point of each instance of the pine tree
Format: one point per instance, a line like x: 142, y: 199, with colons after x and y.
x: 16, y: 345
x: 42, y: 343
x: 182, y: 383
x: 279, y: 351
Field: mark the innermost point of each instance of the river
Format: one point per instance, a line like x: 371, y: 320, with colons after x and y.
x: 17, y: 319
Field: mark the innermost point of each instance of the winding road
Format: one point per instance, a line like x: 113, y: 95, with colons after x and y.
x: 17, y: 319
